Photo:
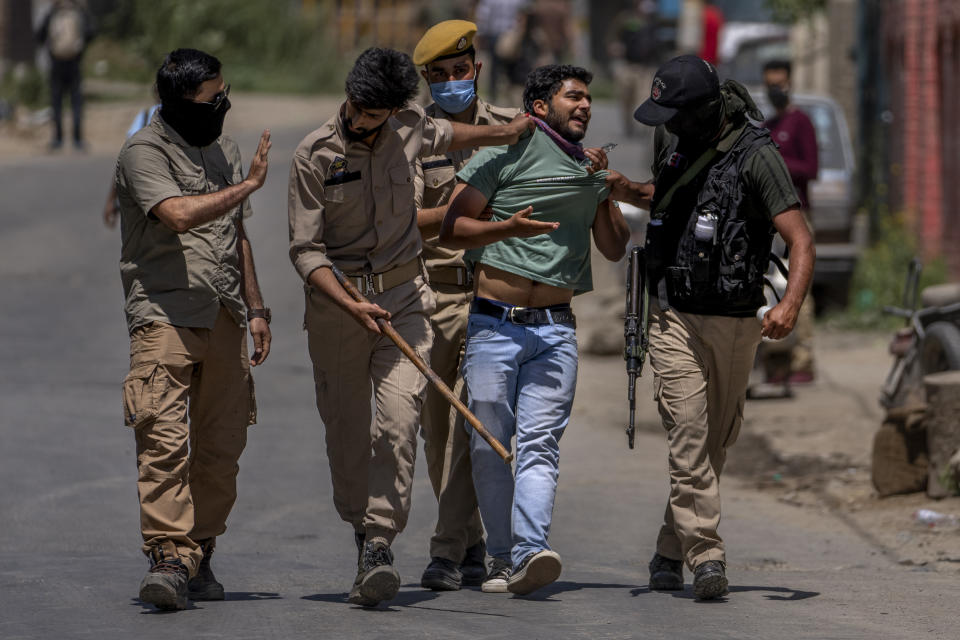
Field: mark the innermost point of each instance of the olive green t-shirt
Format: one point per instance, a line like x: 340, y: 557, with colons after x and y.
x: 536, y: 172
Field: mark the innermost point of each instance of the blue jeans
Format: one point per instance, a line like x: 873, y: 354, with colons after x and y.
x: 521, y: 380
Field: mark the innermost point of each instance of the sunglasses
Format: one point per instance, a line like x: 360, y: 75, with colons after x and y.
x: 218, y: 99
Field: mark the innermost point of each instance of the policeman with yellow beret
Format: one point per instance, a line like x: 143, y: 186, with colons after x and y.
x: 457, y: 550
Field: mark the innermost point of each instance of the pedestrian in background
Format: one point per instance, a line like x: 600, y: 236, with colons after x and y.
x: 721, y: 190
x: 634, y: 49
x: 187, y: 271
x: 65, y: 32
x: 712, y: 20
x: 457, y: 550
x: 796, y: 136
x: 495, y: 18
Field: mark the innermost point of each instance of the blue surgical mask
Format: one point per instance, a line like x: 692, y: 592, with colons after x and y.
x: 455, y: 96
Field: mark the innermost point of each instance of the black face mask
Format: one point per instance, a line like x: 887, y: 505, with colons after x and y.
x: 198, y: 123
x: 697, y: 125
x: 354, y: 136
x: 778, y: 97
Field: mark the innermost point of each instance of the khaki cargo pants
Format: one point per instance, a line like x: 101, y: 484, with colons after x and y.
x: 446, y: 439
x: 371, y: 456
x: 701, y: 366
x: 187, y: 473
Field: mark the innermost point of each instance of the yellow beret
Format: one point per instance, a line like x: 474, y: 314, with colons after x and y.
x: 443, y: 40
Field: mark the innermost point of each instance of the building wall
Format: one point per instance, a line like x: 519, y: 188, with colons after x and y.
x: 921, y: 44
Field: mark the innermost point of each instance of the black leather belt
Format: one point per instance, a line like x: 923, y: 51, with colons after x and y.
x: 559, y: 313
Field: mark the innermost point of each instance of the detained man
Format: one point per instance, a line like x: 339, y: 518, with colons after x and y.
x: 548, y: 196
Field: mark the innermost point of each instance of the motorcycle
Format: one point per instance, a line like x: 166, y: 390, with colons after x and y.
x: 930, y: 341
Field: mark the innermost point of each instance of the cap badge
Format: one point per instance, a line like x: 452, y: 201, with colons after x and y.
x: 461, y: 43
x: 657, y: 90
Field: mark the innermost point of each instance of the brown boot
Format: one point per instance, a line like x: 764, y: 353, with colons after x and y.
x: 165, y: 585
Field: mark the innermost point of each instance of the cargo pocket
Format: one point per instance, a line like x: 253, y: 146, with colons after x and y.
x: 252, y: 418
x: 142, y: 390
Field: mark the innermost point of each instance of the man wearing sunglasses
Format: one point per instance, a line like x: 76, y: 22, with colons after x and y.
x: 191, y: 289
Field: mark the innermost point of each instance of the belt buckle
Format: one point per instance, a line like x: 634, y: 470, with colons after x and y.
x: 512, y: 315
x: 369, y: 283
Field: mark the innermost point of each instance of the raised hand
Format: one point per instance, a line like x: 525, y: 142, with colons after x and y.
x: 520, y: 124
x: 598, y: 159
x: 258, y: 164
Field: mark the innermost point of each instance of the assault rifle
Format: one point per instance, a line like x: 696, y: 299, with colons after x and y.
x: 635, y: 328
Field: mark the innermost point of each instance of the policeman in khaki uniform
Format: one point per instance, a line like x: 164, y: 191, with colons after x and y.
x: 187, y: 271
x: 351, y: 204
x: 457, y: 550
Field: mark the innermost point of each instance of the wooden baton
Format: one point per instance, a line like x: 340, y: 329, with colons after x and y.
x: 425, y: 369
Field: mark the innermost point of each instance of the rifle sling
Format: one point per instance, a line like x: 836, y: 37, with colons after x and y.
x: 687, y: 176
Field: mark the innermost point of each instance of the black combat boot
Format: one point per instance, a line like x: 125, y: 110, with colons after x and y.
x: 441, y: 575
x: 710, y: 580
x: 665, y: 574
x: 474, y: 568
x: 204, y: 585
x: 165, y: 585
x: 377, y: 580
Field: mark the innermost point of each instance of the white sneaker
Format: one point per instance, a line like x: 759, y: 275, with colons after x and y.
x: 537, y: 570
x: 497, y: 577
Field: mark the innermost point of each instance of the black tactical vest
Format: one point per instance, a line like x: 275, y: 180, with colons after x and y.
x: 718, y: 273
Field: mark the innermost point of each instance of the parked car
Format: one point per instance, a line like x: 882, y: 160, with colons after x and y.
x: 840, y: 236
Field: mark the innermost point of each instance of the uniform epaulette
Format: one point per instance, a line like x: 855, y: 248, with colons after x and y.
x: 507, y: 113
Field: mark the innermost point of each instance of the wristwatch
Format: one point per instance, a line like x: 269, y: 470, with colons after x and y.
x: 259, y: 313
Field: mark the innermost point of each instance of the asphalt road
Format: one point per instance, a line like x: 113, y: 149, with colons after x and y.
x: 69, y: 541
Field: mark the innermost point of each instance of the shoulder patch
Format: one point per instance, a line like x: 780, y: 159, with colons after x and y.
x: 338, y: 166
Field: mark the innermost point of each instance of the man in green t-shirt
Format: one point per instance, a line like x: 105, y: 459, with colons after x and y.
x: 529, y: 260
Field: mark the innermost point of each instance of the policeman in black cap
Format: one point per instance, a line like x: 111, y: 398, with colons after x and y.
x: 721, y: 191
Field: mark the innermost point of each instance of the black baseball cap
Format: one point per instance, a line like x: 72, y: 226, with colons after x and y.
x: 681, y: 82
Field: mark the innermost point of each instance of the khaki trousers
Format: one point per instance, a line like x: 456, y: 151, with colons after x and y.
x: 446, y: 441
x: 187, y: 472
x: 371, y: 456
x: 701, y: 366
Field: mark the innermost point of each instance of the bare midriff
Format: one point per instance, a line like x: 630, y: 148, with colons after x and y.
x: 515, y: 290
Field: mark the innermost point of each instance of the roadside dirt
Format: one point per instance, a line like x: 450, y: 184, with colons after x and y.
x: 814, y: 451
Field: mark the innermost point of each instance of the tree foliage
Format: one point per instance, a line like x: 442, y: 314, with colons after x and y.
x: 794, y: 10
x: 264, y: 44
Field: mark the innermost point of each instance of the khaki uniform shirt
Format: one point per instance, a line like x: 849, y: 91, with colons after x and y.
x: 177, y: 278
x: 437, y: 176
x: 353, y: 205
